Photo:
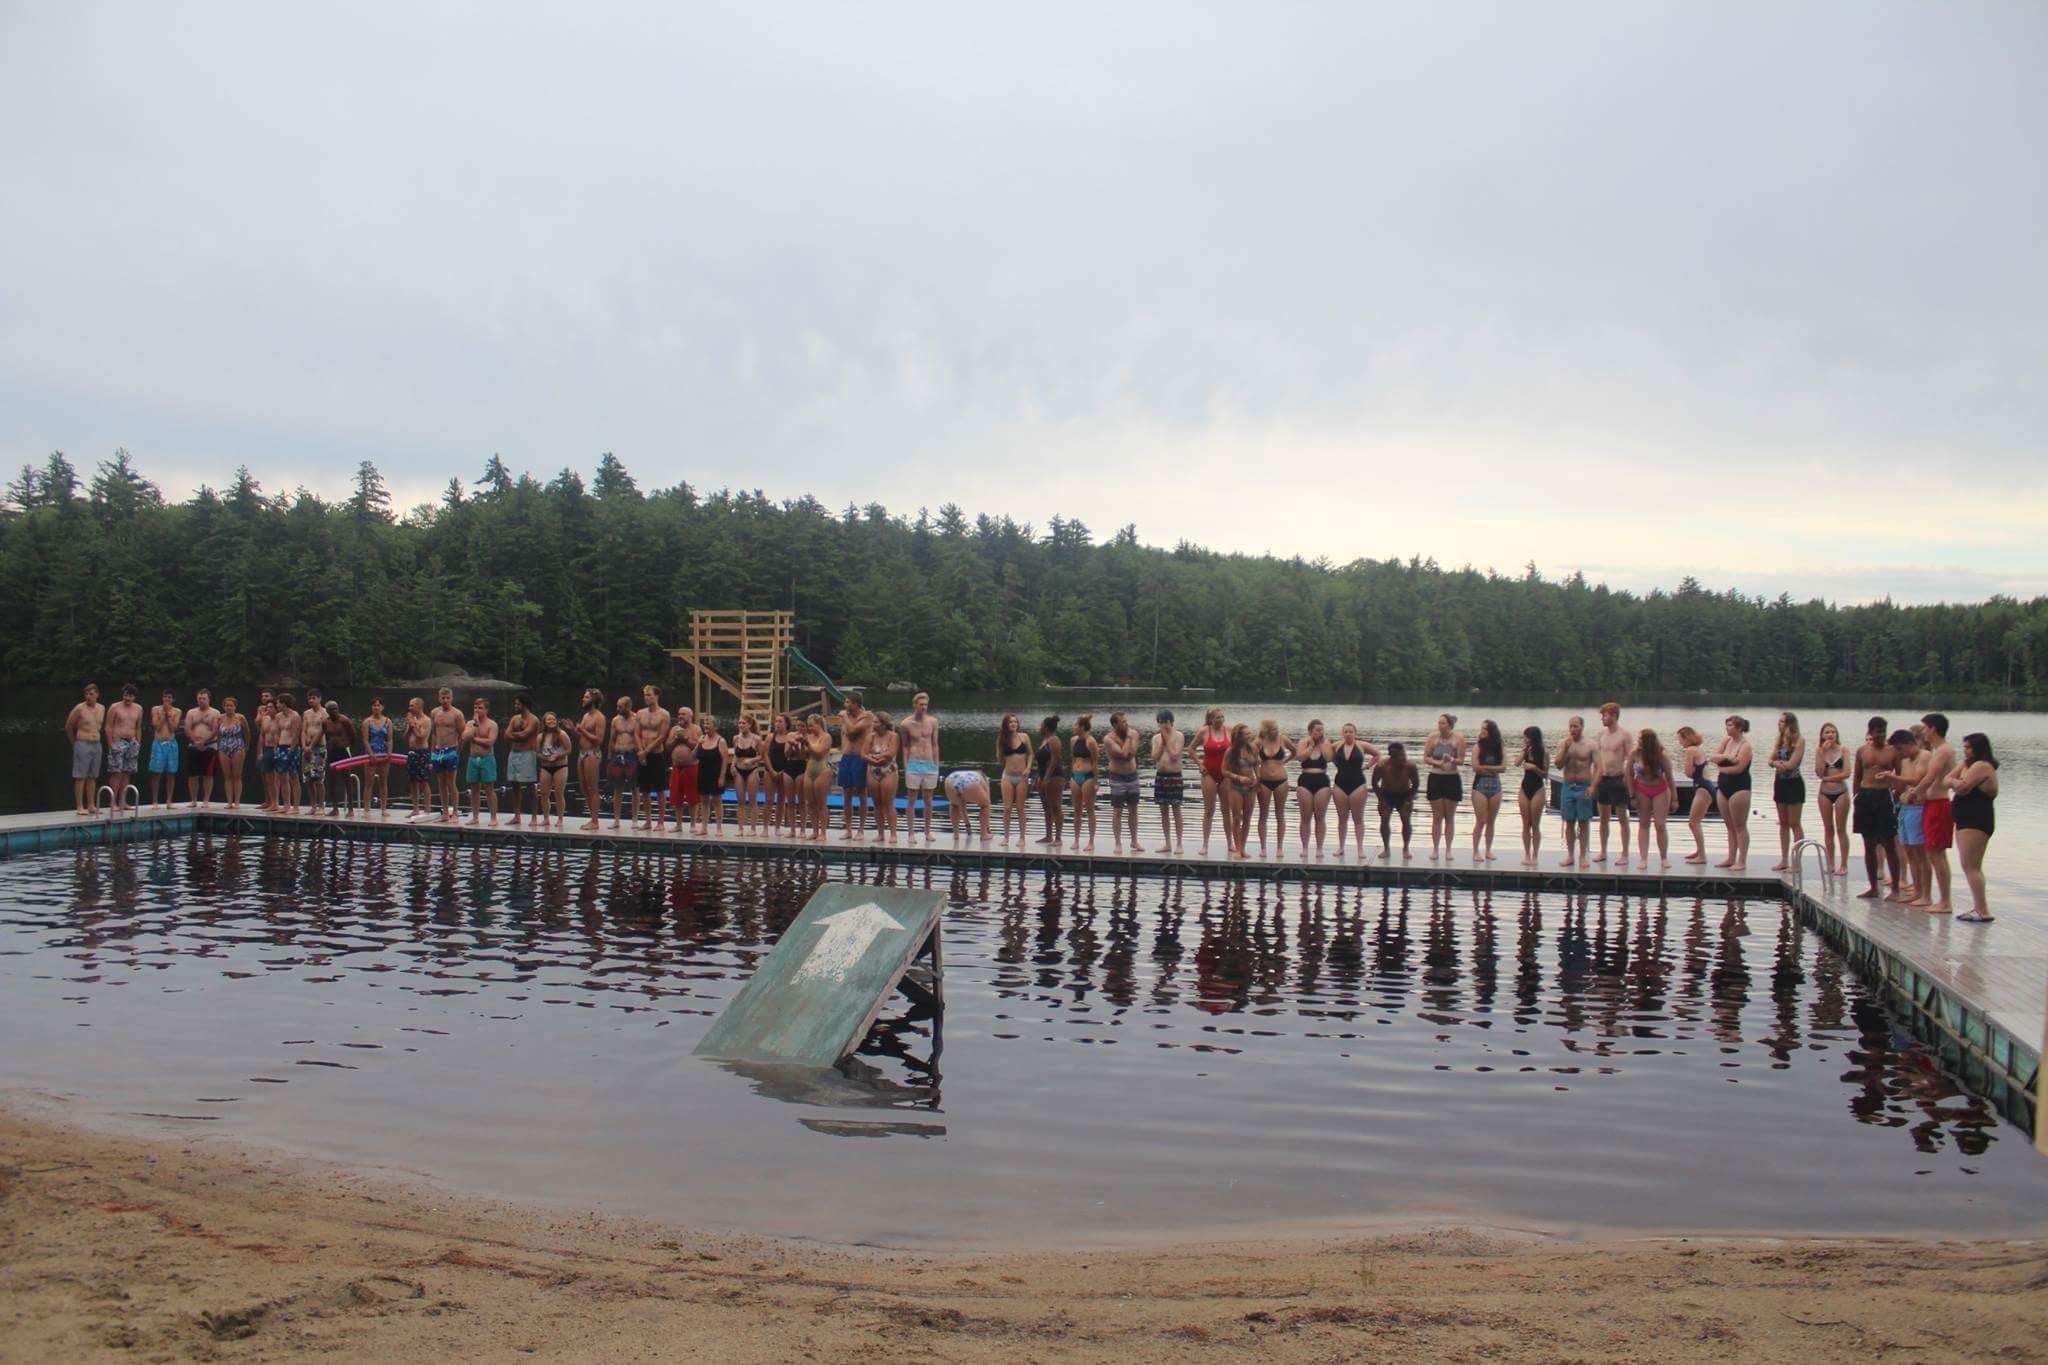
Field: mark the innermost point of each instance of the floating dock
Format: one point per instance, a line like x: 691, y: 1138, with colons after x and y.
x: 1977, y: 993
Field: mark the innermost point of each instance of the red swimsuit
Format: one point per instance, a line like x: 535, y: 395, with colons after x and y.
x: 1213, y: 750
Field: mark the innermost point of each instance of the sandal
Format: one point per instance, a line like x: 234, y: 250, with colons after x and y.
x: 1974, y: 918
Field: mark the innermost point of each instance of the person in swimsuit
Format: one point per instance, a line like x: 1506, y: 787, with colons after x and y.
x: 622, y: 758
x: 854, y: 723
x: 234, y: 746
x: 1937, y: 819
x: 1240, y: 780
x: 1612, y: 748
x: 749, y: 776
x: 679, y: 750
x: 920, y: 736
x: 522, y: 757
x: 652, y: 723
x: 419, y: 757
x: 1575, y: 758
x: 480, y: 766
x: 590, y: 733
x: 1788, y: 788
x: 966, y: 795
x: 1013, y: 754
x: 713, y: 772
x: 1876, y: 813
x: 884, y: 752
x: 1213, y: 739
x: 284, y: 755
x: 202, y: 749
x: 777, y: 778
x: 1655, y: 788
x: 377, y: 729
x: 1444, y: 755
x: 1973, y: 786
x: 163, y: 752
x: 818, y: 775
x: 1312, y: 792
x: 1393, y: 781
x: 1119, y: 779
x: 313, y: 751
x: 1046, y: 763
x: 1350, y: 759
x: 1169, y: 748
x: 1693, y: 752
x: 1489, y: 761
x: 1831, y: 781
x: 125, y: 719
x: 1533, y: 794
x: 444, y: 749
x: 1084, y: 753
x: 82, y: 727
x: 552, y: 791
x: 1274, y: 749
x: 1731, y: 761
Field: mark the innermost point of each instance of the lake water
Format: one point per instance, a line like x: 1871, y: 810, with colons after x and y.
x: 1120, y: 1058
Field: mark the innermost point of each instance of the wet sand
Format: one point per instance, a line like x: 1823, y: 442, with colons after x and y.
x: 113, y: 1245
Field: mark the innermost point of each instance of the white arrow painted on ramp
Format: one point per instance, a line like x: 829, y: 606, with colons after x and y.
x: 847, y: 936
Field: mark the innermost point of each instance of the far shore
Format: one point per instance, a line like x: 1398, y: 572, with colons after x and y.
x: 168, y: 1248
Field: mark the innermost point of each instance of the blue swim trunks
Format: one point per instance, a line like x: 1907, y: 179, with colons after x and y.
x: 444, y: 759
x: 853, y: 772
x: 1912, y: 826
x: 284, y: 760
x: 163, y: 756
x: 1576, y: 805
x: 482, y: 768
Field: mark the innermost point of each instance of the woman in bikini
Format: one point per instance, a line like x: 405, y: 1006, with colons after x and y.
x: 1312, y: 794
x: 749, y: 775
x: 1831, y: 780
x: 1240, y: 779
x: 1350, y: 758
x: 1489, y: 761
x: 1731, y: 761
x: 1393, y: 781
x: 817, y: 778
x: 1693, y: 753
x: 1788, y: 787
x: 1085, y: 753
x: 377, y: 738
x: 1013, y: 756
x: 1213, y: 739
x: 553, y: 788
x: 1656, y: 787
x: 1271, y: 792
x: 590, y: 754
x: 882, y: 749
x: 1443, y: 755
x: 1045, y: 762
x: 1534, y: 793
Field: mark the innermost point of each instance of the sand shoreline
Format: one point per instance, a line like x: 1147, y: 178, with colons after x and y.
x: 122, y: 1245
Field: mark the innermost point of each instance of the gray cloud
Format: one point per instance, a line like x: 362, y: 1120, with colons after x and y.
x: 1622, y: 285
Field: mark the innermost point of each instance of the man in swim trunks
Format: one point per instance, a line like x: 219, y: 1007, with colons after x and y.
x: 284, y: 759
x: 82, y: 728
x: 590, y: 753
x: 124, y: 745
x: 920, y: 733
x: 1613, y: 789
x: 522, y: 757
x: 684, y: 735
x: 340, y: 731
x: 313, y: 751
x: 202, y: 757
x: 419, y: 756
x: 1169, y: 745
x: 480, y: 760
x: 1875, y: 814
x: 445, y: 752
x: 855, y: 724
x: 1120, y: 779
x: 1937, y: 819
x: 651, y: 725
x: 163, y: 752
x: 1575, y: 762
x: 259, y: 738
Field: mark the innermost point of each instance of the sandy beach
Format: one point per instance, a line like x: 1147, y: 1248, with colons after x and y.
x: 118, y: 1246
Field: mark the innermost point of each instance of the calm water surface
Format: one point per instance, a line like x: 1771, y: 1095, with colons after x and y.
x: 1119, y: 1058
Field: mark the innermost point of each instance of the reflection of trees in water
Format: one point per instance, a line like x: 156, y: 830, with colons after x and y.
x: 1603, y: 975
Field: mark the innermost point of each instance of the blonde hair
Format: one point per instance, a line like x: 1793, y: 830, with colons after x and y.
x: 1269, y: 728
x: 1688, y: 736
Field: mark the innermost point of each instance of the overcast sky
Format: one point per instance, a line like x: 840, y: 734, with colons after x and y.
x: 1756, y: 292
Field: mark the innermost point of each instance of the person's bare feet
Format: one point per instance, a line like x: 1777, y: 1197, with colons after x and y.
x: 1601, y: 858
x: 1777, y: 867
x: 1943, y: 909
x: 1870, y: 895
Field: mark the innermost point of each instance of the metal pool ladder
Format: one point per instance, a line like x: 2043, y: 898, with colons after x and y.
x: 1820, y: 853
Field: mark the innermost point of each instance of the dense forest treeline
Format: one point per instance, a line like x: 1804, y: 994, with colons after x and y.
x: 562, y: 582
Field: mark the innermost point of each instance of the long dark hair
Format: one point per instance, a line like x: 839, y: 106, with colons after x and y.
x: 1490, y: 748
x: 1652, y: 750
x: 1977, y: 749
x: 1532, y: 746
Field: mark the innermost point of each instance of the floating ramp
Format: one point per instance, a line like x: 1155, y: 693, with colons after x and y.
x: 814, y: 998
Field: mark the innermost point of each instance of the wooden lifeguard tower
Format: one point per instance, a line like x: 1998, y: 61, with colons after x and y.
x: 745, y: 654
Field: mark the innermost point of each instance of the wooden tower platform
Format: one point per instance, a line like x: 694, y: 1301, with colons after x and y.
x: 742, y: 653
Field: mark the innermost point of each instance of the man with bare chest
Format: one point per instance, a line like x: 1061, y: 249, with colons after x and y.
x: 1875, y: 814
x: 855, y: 724
x: 590, y: 752
x: 124, y: 745
x: 480, y: 761
x: 920, y: 732
x: 313, y: 754
x: 1575, y: 806
x: 82, y: 727
x: 651, y: 725
x: 445, y: 752
x: 202, y: 756
x: 285, y: 725
x: 522, y: 757
x: 1611, y: 786
x: 163, y: 752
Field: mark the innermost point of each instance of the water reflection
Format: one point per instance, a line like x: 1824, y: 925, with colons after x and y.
x: 1319, y: 1005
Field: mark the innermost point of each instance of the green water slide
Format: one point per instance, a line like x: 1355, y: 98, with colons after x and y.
x: 796, y: 656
